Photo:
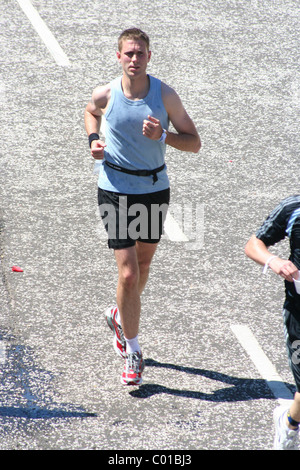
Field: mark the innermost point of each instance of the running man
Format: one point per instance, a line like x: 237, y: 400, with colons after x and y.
x: 284, y: 221
x: 137, y: 108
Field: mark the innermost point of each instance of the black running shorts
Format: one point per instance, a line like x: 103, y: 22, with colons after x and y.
x: 292, y: 337
x: 133, y: 217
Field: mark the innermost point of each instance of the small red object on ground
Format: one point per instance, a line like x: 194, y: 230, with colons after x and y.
x: 17, y: 269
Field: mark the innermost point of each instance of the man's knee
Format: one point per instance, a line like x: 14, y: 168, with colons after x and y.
x: 129, y: 277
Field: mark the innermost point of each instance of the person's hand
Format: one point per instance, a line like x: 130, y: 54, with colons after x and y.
x: 97, y: 149
x: 152, y: 128
x: 285, y: 268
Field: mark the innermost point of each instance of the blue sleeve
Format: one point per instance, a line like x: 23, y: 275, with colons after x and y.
x: 275, y: 227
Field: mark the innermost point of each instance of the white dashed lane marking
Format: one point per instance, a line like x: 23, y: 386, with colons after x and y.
x: 44, y: 33
x: 2, y: 352
x: 261, y: 362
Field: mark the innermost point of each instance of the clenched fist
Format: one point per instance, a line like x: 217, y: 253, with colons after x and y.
x: 152, y: 128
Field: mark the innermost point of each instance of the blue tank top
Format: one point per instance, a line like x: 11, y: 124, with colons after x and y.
x: 127, y: 147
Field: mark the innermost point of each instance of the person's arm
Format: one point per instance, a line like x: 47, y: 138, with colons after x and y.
x: 186, y: 137
x: 92, y: 119
x: 256, y: 250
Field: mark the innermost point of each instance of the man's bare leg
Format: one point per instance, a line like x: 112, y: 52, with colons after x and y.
x: 133, y: 268
x: 145, y: 253
x: 295, y: 410
x: 128, y: 298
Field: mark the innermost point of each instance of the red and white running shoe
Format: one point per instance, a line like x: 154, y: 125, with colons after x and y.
x: 133, y: 368
x: 118, y: 340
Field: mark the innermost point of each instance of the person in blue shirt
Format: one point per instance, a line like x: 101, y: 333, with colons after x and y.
x: 137, y: 109
x: 284, y: 221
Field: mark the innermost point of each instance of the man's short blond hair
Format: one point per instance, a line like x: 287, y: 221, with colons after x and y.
x: 135, y: 34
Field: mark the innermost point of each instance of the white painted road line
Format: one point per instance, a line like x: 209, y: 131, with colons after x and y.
x: 173, y: 231
x: 2, y: 352
x: 262, y: 363
x: 44, y: 33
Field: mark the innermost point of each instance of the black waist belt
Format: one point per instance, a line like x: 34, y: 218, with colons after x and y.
x: 152, y: 173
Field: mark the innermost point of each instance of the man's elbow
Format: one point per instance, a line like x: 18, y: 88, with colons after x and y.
x: 247, y: 249
x: 251, y: 247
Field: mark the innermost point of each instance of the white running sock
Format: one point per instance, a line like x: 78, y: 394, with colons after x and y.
x: 132, y: 345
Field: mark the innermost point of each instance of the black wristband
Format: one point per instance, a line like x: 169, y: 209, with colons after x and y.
x: 292, y: 421
x: 92, y: 137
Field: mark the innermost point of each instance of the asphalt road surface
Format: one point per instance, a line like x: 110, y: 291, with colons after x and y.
x: 235, y: 65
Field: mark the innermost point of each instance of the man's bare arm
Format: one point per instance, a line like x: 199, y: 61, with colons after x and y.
x: 259, y: 252
x: 186, y: 137
x: 92, y: 119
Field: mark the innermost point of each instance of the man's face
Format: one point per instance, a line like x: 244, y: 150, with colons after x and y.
x: 134, y: 57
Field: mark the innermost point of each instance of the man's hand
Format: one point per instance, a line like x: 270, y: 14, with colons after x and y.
x: 97, y: 149
x: 152, y: 128
x: 284, y: 268
x: 257, y: 250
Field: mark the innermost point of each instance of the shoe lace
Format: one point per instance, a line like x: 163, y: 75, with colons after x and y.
x: 133, y: 361
x: 120, y: 330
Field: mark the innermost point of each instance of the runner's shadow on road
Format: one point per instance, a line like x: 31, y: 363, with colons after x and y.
x: 42, y: 413
x: 238, y: 390
x: 25, y: 388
